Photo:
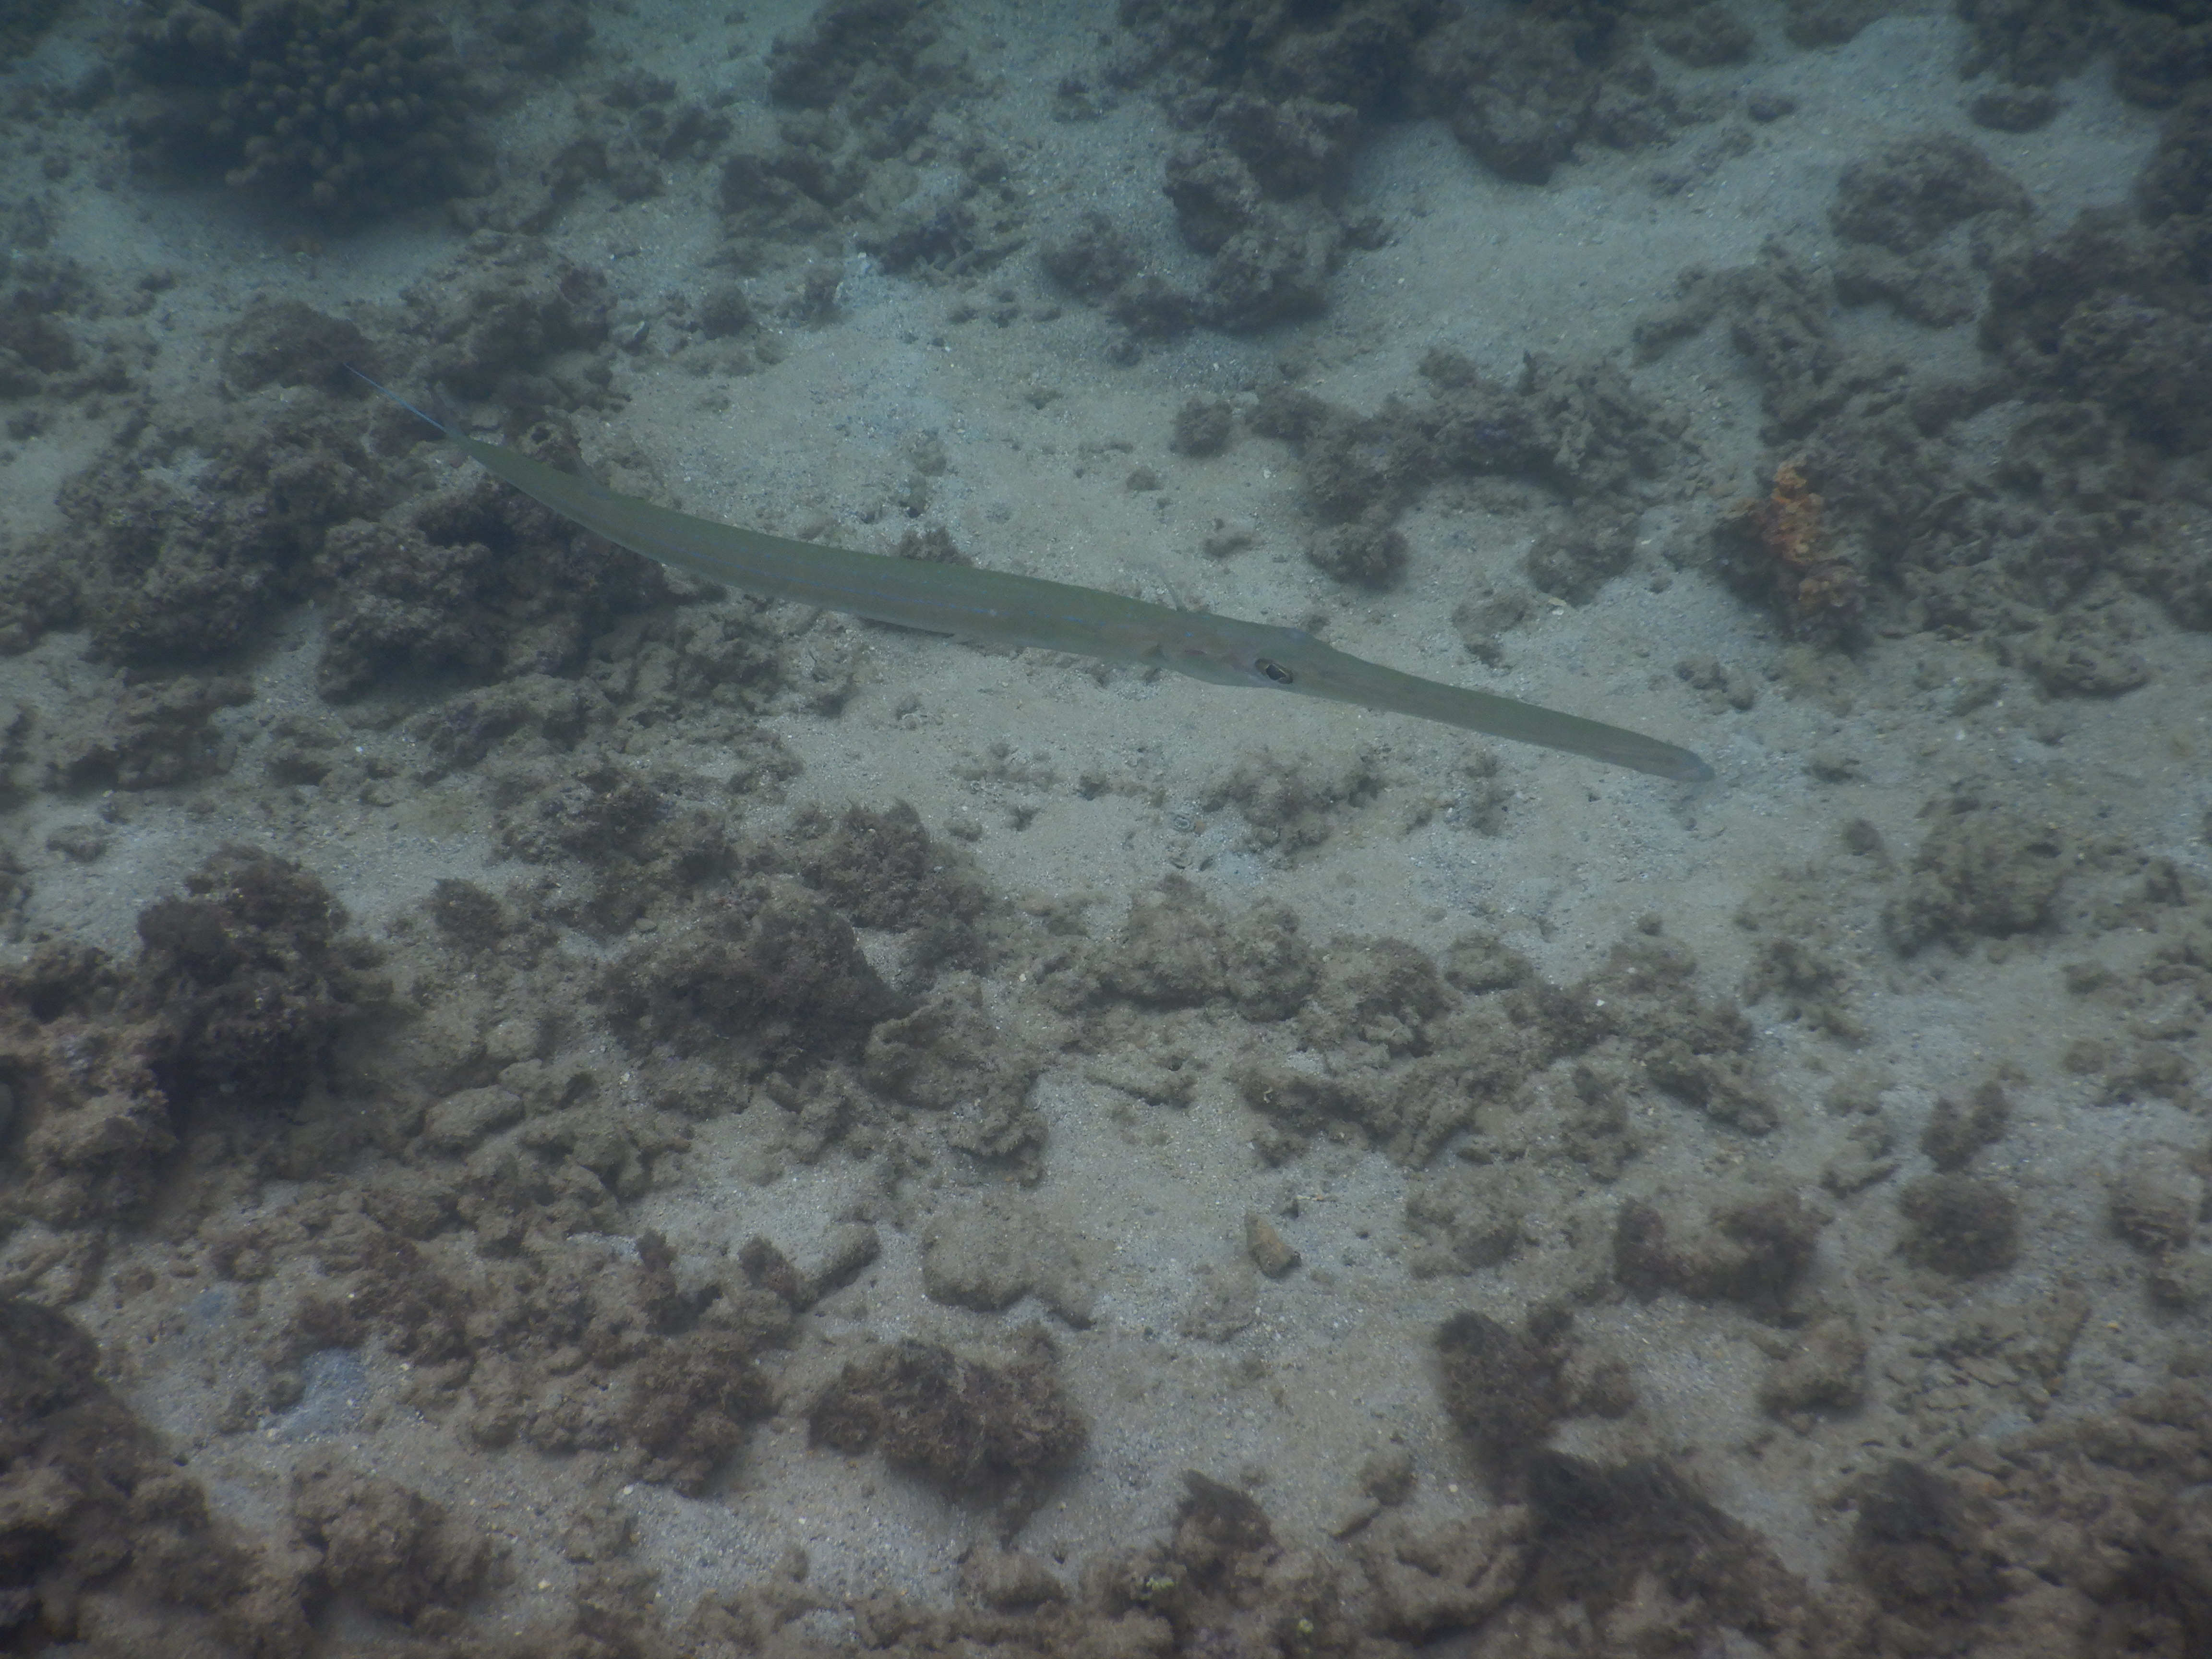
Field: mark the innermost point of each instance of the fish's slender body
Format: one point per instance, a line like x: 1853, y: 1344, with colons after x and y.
x: 1004, y: 609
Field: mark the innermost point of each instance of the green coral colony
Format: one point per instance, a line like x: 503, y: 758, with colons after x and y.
x: 337, y: 105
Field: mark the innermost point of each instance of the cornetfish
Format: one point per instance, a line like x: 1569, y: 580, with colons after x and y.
x: 1005, y: 609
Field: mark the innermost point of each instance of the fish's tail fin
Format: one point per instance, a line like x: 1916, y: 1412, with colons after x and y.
x: 445, y: 428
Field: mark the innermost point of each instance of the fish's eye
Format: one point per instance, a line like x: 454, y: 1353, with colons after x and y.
x: 1273, y: 670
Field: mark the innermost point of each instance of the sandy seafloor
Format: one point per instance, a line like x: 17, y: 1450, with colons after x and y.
x: 1033, y: 429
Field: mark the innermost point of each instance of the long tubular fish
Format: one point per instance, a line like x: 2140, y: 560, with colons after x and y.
x: 1009, y: 610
